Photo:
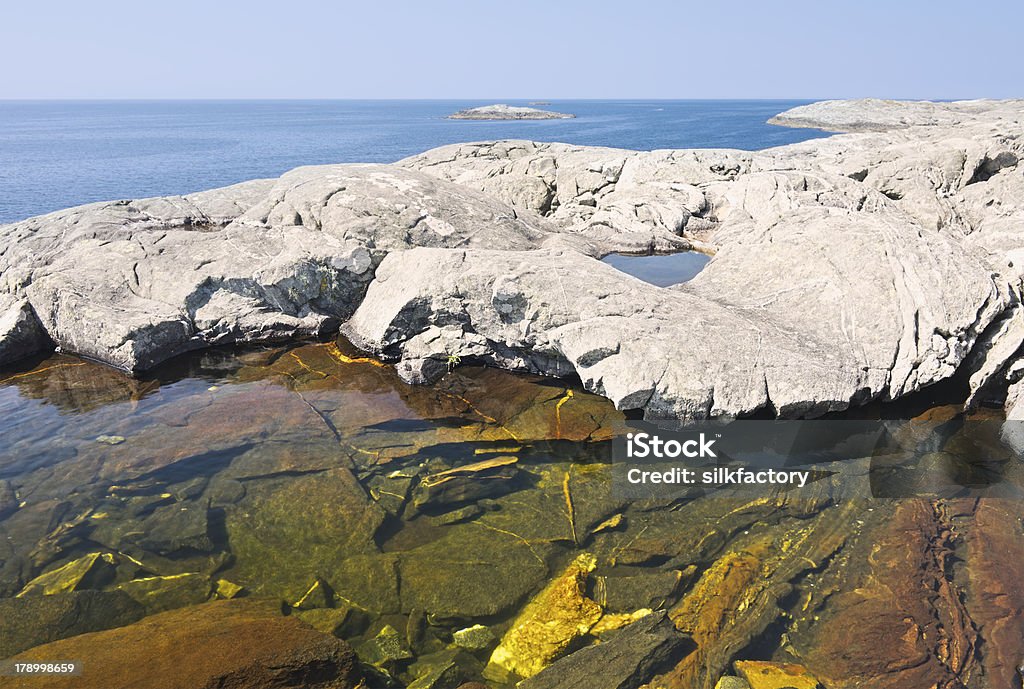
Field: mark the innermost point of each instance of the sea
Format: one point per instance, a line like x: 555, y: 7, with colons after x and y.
x: 56, y: 154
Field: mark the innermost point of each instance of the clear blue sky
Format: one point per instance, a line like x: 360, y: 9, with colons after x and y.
x: 514, y: 49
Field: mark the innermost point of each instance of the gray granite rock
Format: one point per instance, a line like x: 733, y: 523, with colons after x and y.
x: 21, y: 334
x: 793, y: 341
x: 135, y: 283
x: 856, y: 267
x: 874, y: 114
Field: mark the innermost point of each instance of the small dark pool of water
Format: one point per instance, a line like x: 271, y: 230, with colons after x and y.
x: 662, y: 270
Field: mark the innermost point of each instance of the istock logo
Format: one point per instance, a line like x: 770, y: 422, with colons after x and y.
x: 644, y: 445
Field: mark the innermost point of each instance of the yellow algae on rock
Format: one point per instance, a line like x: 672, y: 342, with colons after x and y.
x: 707, y: 612
x: 547, y: 627
x: 764, y: 675
x: 70, y: 577
x: 614, y: 621
x: 228, y: 589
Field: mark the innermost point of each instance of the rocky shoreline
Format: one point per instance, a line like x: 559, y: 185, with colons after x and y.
x: 859, y: 267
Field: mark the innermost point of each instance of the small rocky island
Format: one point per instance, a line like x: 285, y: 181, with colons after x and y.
x: 501, y: 111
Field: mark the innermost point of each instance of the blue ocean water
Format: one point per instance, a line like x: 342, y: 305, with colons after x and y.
x: 57, y: 154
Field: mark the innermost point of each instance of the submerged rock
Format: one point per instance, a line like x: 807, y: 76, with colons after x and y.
x: 445, y: 669
x: 620, y: 594
x: 472, y: 571
x: 181, y: 526
x: 386, y: 649
x: 549, y: 625
x: 318, y: 595
x: 244, y: 644
x: 991, y: 533
x: 731, y: 682
x: 369, y: 581
x: 227, y: 589
x: 764, y: 675
x: 157, y: 594
x: 8, y: 498
x: 89, y: 571
x: 449, y: 488
x: 344, y: 621
x: 741, y: 594
x: 280, y: 549
x: 613, y: 622
x: 903, y: 638
x: 625, y: 660
x: 475, y: 638
x: 28, y: 622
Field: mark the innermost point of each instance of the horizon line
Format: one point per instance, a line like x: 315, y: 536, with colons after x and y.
x: 139, y: 99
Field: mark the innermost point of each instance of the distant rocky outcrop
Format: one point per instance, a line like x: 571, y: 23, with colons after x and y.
x: 500, y: 111
x: 877, y: 115
x: 847, y: 269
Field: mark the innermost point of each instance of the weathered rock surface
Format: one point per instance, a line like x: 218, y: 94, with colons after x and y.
x: 242, y: 644
x: 21, y: 334
x: 625, y: 660
x: 913, y: 628
x: 501, y: 111
x: 857, y: 267
x: 133, y: 283
x: 994, y: 541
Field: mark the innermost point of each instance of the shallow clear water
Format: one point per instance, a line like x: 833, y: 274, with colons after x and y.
x: 59, y: 154
x: 282, y: 470
x: 662, y: 270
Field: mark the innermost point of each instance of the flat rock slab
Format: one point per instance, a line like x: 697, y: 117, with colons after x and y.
x: 625, y: 660
x: 245, y: 644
